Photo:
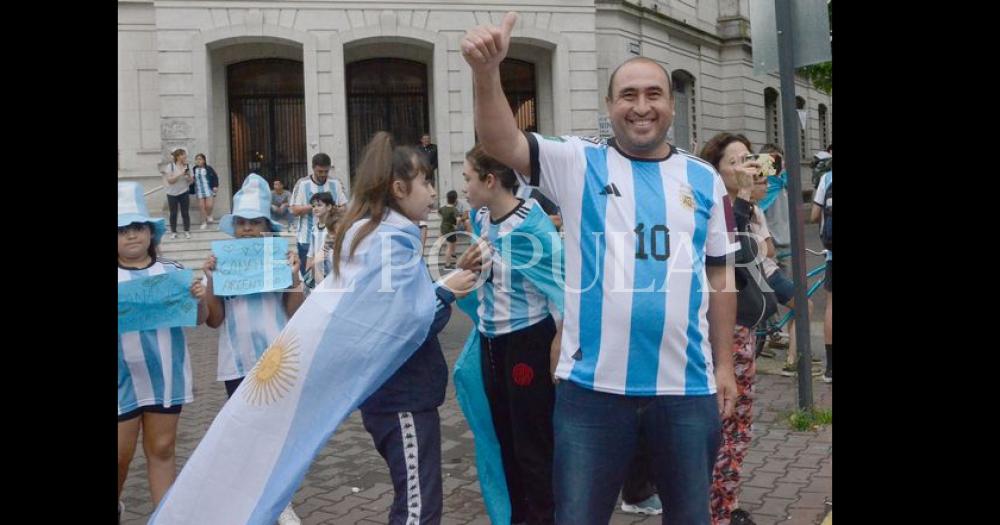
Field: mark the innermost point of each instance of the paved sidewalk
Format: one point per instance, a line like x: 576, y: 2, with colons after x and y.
x: 788, y: 475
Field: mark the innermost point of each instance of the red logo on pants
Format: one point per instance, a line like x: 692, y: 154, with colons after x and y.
x: 523, y: 374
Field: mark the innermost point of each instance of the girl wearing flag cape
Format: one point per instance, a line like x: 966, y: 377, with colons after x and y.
x: 359, y: 326
x: 402, y: 416
x: 250, y: 322
x: 154, y: 368
x: 503, y: 376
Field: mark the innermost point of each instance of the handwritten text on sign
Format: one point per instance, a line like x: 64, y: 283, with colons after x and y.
x: 156, y: 301
x: 247, y: 266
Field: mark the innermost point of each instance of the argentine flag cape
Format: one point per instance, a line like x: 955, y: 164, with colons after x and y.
x: 468, y: 377
x: 349, y: 336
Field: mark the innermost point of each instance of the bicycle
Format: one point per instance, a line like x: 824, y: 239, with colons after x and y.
x: 771, y: 327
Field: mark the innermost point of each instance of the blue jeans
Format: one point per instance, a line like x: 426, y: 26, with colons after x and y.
x: 303, y: 251
x: 596, y: 435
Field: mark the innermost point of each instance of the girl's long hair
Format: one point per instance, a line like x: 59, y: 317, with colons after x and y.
x: 382, y: 163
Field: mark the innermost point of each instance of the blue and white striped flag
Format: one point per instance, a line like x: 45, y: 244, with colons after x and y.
x: 347, y: 339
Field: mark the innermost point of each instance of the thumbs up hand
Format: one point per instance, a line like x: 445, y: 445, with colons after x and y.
x: 484, y: 47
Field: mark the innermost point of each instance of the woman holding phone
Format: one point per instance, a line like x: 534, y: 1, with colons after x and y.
x: 740, y: 170
x: 177, y: 180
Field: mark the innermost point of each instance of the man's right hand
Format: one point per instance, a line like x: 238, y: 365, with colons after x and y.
x: 484, y: 47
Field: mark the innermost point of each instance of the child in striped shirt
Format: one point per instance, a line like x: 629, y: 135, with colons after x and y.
x: 323, y: 205
x: 154, y: 369
x: 516, y: 331
x: 205, y: 185
x: 252, y: 321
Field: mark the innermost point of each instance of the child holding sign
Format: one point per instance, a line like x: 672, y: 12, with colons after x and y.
x: 252, y: 321
x: 154, y: 372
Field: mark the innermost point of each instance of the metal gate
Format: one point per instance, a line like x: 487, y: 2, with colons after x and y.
x: 267, y: 121
x: 386, y: 94
x: 518, y: 80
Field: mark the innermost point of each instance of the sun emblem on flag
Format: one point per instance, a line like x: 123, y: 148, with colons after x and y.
x: 275, y: 372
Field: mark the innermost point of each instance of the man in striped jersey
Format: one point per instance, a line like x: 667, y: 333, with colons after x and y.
x: 302, y: 194
x: 648, y: 325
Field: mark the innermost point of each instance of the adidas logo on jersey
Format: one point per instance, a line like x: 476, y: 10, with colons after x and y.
x: 611, y: 189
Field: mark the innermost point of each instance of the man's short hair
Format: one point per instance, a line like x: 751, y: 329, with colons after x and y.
x: 611, y: 81
x: 322, y: 160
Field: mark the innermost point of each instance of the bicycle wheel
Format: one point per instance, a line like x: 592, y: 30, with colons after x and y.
x: 760, y: 342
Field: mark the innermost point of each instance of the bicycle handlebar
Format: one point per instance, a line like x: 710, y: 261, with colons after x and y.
x: 786, y: 255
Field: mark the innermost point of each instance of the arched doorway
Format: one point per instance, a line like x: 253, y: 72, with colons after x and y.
x: 518, y: 80
x: 386, y: 94
x: 267, y: 125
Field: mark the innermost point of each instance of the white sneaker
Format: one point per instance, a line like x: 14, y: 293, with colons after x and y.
x: 173, y: 235
x: 204, y: 225
x: 651, y: 506
x: 187, y: 235
x: 288, y: 517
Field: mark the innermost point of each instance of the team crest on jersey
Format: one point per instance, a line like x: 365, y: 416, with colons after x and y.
x: 687, y: 198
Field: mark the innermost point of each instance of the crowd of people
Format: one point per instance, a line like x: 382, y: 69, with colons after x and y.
x: 623, y: 361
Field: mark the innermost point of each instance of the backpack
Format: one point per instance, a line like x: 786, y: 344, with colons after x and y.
x: 826, y: 231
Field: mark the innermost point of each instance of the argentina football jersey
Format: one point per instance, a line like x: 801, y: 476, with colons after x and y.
x: 638, y: 235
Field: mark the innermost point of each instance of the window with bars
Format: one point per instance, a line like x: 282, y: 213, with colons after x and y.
x: 771, y: 124
x: 694, y: 119
x: 824, y: 133
x: 685, y: 129
x: 518, y: 80
x: 800, y: 105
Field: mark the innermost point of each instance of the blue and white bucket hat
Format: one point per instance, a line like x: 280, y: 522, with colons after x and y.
x: 251, y: 202
x: 132, y: 209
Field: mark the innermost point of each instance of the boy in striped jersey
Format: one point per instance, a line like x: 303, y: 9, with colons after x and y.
x: 648, y: 327
x: 322, y: 205
x: 516, y: 332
